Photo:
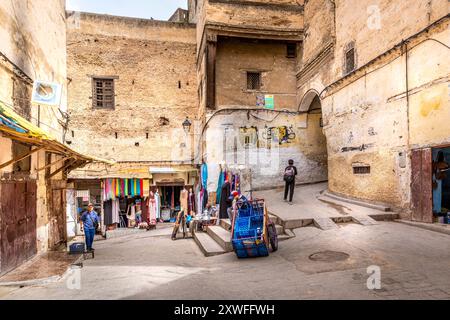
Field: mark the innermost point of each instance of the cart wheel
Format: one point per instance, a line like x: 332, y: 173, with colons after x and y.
x: 273, y: 237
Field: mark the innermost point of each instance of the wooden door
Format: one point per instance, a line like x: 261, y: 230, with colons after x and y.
x: 422, y: 185
x: 17, y: 223
x: 57, y: 215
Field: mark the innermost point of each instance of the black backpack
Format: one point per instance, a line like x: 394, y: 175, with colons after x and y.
x: 289, y: 174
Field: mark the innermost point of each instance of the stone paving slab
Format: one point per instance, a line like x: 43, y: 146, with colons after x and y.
x: 310, y: 205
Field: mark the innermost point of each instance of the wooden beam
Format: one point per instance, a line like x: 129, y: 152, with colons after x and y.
x: 53, y: 163
x: 62, y: 168
x: 211, y: 51
x: 20, y: 158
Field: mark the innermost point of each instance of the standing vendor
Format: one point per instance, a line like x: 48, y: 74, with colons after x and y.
x: 89, y: 222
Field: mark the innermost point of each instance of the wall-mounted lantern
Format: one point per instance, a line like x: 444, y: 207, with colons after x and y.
x: 187, y: 125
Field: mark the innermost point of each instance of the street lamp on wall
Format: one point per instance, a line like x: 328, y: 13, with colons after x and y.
x: 187, y: 125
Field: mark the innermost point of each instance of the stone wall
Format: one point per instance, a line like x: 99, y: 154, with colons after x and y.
x: 155, y: 87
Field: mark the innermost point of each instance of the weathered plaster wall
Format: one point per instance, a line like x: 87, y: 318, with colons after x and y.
x: 236, y: 57
x: 155, y: 65
x: 369, y: 121
x: 267, y: 155
x: 40, y: 53
x: 378, y: 25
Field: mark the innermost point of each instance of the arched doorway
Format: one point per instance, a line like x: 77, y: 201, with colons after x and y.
x: 315, y: 137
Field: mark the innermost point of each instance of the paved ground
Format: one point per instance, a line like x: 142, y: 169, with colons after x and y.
x: 308, y: 204
x: 414, y: 265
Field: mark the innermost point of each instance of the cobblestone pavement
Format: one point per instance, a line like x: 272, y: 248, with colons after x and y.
x: 414, y: 264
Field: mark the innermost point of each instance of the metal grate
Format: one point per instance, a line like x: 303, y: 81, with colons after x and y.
x: 361, y: 170
x: 103, y: 95
x: 253, y: 80
x: 350, y: 60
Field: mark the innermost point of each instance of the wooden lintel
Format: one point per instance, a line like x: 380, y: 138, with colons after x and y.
x: 20, y: 158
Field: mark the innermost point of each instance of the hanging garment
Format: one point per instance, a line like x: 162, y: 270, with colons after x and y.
x: 138, y: 186
x: 212, y: 198
x: 116, y: 211
x: 224, y: 201
x: 152, y: 209
x: 146, y: 187
x: 108, y: 212
x: 158, y: 205
x: 199, y: 200
x: 184, y: 195
x: 191, y: 203
x: 219, y: 186
x: 145, y: 205
x: 204, y: 173
x: 125, y: 187
x: 205, y: 199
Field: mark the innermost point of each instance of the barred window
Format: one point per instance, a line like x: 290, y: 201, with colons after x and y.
x: 350, y: 60
x: 103, y: 93
x: 361, y: 170
x: 253, y: 80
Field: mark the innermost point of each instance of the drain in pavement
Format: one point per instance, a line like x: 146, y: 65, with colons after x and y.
x: 329, y: 256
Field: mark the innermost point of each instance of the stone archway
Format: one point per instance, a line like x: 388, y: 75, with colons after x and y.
x: 315, y: 136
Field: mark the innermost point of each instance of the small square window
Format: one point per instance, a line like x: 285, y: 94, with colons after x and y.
x: 291, y: 50
x: 350, y: 60
x: 253, y: 80
x: 103, y: 96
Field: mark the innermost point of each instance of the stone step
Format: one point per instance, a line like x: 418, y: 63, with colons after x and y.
x: 208, y: 245
x: 221, y: 236
x: 364, y: 220
x: 325, y: 224
x: 226, y: 224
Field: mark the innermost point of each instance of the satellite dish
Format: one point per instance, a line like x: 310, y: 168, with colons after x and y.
x: 46, y: 93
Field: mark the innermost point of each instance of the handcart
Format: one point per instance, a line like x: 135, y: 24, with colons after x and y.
x: 252, y: 230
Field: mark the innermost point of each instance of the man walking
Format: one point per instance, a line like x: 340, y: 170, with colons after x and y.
x: 289, y: 177
x: 90, y: 225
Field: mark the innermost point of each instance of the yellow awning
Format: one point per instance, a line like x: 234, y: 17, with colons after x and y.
x: 16, y: 127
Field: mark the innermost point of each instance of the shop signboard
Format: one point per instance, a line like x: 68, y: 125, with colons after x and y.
x: 269, y: 102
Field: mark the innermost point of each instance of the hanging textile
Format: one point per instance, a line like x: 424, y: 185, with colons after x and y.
x: 158, y: 205
x: 219, y: 187
x: 204, y: 174
x: 107, y: 212
x: 184, y: 198
x: 224, y: 200
x: 146, y: 187
x: 191, y: 203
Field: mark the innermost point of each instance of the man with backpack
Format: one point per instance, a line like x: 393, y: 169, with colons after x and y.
x: 289, y: 177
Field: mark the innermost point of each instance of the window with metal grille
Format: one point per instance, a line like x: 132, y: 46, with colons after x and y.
x: 253, y: 80
x: 291, y: 50
x: 350, y: 60
x: 103, y: 93
x: 361, y: 170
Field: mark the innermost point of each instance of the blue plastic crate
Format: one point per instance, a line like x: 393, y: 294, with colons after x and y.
x: 256, y: 222
x: 242, y: 224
